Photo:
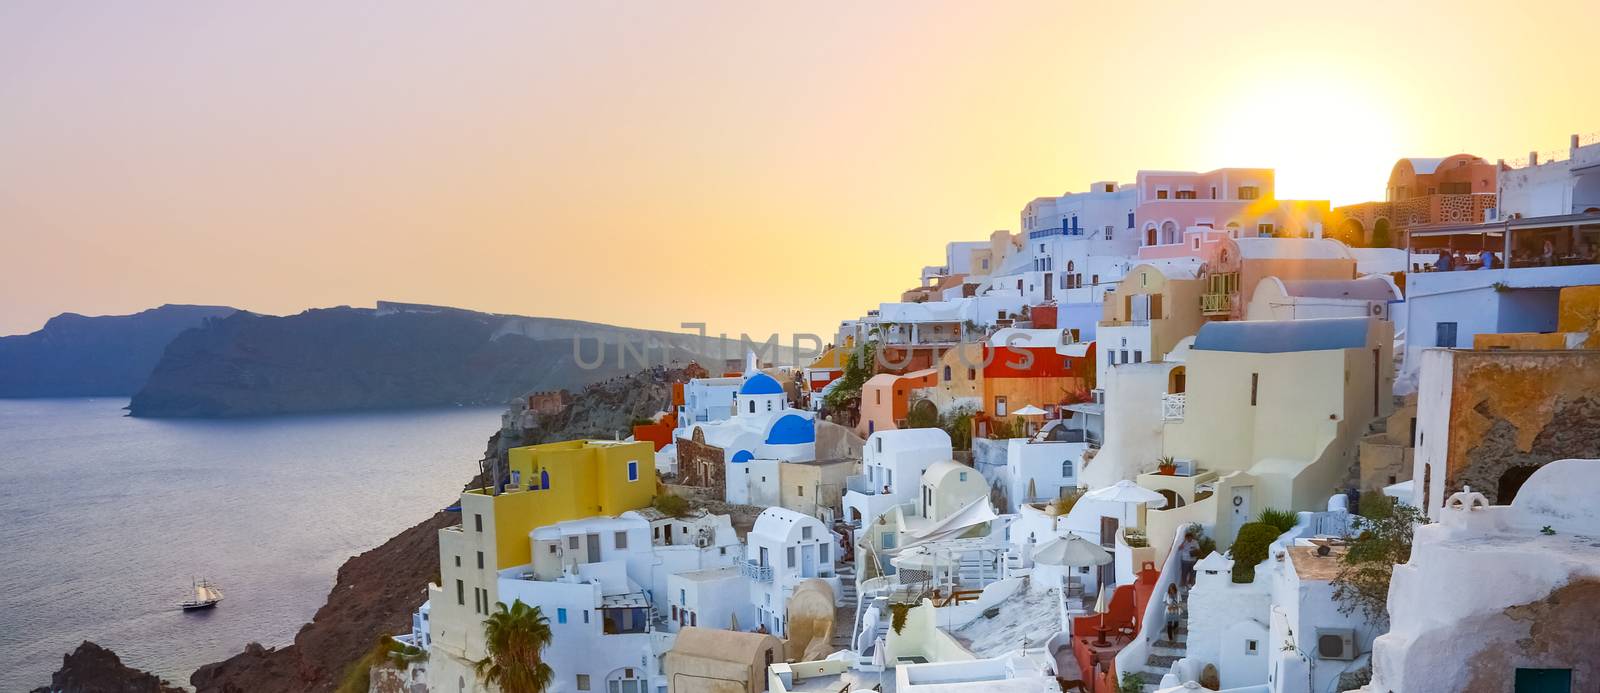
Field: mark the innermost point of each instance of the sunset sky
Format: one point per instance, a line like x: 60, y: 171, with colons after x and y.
x: 761, y: 167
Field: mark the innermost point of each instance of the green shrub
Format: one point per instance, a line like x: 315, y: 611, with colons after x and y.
x: 1250, y: 548
x: 898, y: 613
x: 671, y: 505
x: 1281, y: 519
x: 1131, y: 683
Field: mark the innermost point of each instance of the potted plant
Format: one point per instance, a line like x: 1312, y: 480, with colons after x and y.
x: 1166, y: 466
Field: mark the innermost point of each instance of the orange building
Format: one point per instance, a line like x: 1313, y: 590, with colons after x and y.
x: 886, y: 398
x: 660, y: 432
x: 1456, y: 189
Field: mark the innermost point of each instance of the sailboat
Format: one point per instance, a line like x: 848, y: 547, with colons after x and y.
x: 206, y: 595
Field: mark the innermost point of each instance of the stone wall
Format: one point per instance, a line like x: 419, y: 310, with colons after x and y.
x: 1513, y: 412
x: 701, y: 464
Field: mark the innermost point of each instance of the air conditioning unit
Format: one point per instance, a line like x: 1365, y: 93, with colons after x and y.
x: 1336, y: 643
x: 1186, y: 466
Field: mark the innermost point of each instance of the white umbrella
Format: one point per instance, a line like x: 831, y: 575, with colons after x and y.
x: 1127, y: 493
x: 1071, y: 550
x: 1029, y: 410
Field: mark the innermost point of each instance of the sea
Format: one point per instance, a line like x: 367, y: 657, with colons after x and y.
x: 106, y: 520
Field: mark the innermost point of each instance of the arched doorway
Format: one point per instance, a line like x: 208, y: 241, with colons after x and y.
x: 1511, y: 481
x: 1352, y: 233
x: 1380, y: 234
x: 1169, y: 232
x: 1150, y: 234
x: 1173, y: 499
x: 1177, y: 381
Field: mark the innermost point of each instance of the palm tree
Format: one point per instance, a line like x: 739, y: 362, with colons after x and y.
x: 516, y: 638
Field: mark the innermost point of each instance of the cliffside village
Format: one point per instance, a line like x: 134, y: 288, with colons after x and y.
x: 1128, y: 447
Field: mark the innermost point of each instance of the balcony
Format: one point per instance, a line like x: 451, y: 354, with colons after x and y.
x: 1216, y: 304
x: 1172, y: 405
x: 1058, y: 231
x: 756, y: 571
x: 861, y: 484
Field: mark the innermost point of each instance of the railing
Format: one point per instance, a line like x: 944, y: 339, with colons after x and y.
x: 860, y: 484
x: 1058, y: 231
x: 1172, y: 406
x: 756, y: 571
x: 1216, y: 303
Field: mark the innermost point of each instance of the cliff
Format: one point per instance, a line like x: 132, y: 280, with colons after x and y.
x: 377, y: 591
x: 398, y: 355
x: 95, y: 669
x: 80, y: 356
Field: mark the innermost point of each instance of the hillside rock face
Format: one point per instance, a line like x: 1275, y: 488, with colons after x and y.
x: 399, y: 355
x: 80, y: 356
x: 377, y: 591
x: 95, y: 669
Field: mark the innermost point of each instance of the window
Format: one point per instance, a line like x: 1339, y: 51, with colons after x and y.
x: 1066, y: 469
x: 572, y: 543
x: 1096, y: 279
x: 674, y: 612
x: 694, y: 619
x: 999, y: 406
x: 1130, y: 220
x: 889, y: 540
x: 972, y: 374
x: 458, y: 561
x: 752, y: 406
x: 1264, y: 230
x: 622, y: 540
x: 477, y: 522
x: 585, y: 615
x: 1255, y: 381
x: 822, y: 553
x: 1161, y: 194
x: 800, y: 491
x: 1445, y: 335
x: 1110, y: 231
x: 1125, y: 358
x: 583, y: 682
x: 683, y: 596
x: 1252, y: 647
x: 1138, y: 356
x: 1249, y: 192
x: 480, y: 560
x: 633, y: 470
x: 1185, y: 194
x: 1213, y: 192
x: 880, y: 445
x: 1111, y: 357
x: 461, y: 593
x: 788, y: 555
x: 877, y: 396
x: 805, y: 532
x: 561, y: 615
x: 947, y: 373
x: 963, y: 476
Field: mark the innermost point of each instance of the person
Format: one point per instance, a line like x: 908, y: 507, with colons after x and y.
x: 1187, y: 557
x: 1487, y: 257
x: 1548, y: 256
x: 1458, y: 261
x: 1443, y: 264
x: 1174, y: 604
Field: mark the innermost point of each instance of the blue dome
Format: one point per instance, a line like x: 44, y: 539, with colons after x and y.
x: 792, y: 429
x: 743, y: 456
x: 761, y: 384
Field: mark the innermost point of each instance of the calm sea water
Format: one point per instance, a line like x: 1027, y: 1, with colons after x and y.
x: 104, y: 519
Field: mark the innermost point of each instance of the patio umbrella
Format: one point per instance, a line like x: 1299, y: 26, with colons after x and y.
x: 1071, y: 551
x: 1127, y: 493
x: 1029, y: 410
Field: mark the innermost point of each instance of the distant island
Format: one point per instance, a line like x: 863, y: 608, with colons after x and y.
x: 103, y: 356
x: 394, y: 356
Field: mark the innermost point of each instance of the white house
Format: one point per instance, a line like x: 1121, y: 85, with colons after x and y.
x: 1552, y: 188
x: 1290, y: 299
x: 1500, y: 598
x: 710, y: 598
x: 1039, y: 470
x: 706, y: 400
x: 782, y: 549
x: 892, y: 466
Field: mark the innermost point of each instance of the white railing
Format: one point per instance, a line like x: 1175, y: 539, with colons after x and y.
x: 756, y: 571
x: 1153, y: 622
x: 1172, y: 406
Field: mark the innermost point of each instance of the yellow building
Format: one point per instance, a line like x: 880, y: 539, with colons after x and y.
x: 550, y: 483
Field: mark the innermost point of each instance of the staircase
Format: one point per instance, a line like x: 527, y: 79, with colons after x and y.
x: 844, y: 616
x: 1163, y: 653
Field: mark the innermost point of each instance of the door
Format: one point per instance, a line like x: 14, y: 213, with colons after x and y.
x: 1108, y: 539
x: 1543, y: 681
x: 594, y: 547
x: 808, y: 561
x: 669, y: 529
x: 1049, y: 289
x: 1241, y: 505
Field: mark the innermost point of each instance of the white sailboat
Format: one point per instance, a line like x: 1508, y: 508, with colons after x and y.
x: 206, y: 595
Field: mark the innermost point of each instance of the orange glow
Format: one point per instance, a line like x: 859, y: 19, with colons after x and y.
x: 762, y: 167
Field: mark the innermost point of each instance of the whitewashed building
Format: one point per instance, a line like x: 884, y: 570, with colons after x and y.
x: 782, y: 549
x: 892, y: 466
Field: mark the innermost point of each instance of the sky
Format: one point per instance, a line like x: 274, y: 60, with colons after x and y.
x: 761, y: 167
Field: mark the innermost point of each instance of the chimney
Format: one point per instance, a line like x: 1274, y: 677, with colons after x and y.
x: 1533, y: 158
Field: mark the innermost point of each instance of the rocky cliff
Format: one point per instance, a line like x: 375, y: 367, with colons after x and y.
x: 377, y: 591
x: 81, y: 356
x: 95, y: 669
x: 398, y: 355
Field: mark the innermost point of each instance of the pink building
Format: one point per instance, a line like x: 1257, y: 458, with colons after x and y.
x: 1237, y: 202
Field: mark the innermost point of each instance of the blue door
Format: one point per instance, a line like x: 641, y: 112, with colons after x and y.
x: 1544, y: 681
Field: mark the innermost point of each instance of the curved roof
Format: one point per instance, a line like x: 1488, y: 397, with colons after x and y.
x: 1423, y: 165
x: 792, y: 429
x: 1292, y: 248
x: 1174, y: 267
x: 780, y: 522
x: 742, y: 456
x: 943, y: 468
x: 761, y: 384
x: 1279, y: 336
x: 724, y: 645
x: 1373, y: 288
x: 912, y: 438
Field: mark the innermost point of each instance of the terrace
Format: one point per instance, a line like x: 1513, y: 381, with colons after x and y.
x: 1538, y: 243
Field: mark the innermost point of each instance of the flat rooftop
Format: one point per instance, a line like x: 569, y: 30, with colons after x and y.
x: 1309, y: 566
